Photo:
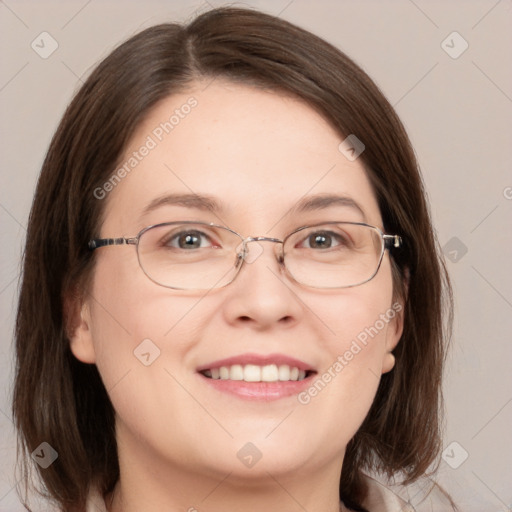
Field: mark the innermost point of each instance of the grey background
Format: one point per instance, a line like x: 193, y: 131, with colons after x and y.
x: 457, y: 112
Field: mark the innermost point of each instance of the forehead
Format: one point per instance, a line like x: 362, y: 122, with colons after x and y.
x: 256, y: 153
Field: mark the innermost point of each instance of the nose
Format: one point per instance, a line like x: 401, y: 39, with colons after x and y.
x: 261, y: 297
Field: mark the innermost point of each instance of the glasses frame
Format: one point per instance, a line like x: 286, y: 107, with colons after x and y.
x: 388, y: 242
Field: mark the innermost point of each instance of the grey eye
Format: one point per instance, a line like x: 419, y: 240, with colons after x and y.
x: 189, y: 240
x: 322, y: 240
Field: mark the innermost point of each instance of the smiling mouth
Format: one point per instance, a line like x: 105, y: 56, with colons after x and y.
x: 257, y: 373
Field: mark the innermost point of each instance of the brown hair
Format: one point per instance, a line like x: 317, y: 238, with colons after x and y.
x: 62, y: 401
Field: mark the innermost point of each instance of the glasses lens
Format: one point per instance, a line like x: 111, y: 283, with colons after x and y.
x: 188, y: 255
x: 333, y: 255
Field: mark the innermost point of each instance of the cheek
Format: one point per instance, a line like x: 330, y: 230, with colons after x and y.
x: 136, y: 323
x: 360, y: 315
x: 359, y: 321
x: 142, y: 336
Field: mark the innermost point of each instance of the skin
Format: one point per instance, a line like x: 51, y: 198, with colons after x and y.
x: 257, y: 153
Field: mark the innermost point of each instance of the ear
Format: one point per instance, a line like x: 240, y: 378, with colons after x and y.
x: 396, y: 325
x: 393, y: 335
x: 78, y: 323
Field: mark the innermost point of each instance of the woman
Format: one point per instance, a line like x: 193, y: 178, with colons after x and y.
x: 276, y: 333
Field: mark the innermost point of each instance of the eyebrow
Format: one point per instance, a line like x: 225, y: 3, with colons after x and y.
x: 208, y: 203
x: 200, y: 202
x: 323, y: 201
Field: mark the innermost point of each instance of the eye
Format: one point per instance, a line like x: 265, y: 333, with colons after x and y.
x: 322, y: 240
x: 187, y: 240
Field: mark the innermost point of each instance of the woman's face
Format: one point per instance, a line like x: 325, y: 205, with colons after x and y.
x: 262, y: 158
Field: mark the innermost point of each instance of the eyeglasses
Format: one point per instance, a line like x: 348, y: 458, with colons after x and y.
x: 191, y: 255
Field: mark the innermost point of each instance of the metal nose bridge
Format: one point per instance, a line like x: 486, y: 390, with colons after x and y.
x: 244, y: 255
x: 262, y: 239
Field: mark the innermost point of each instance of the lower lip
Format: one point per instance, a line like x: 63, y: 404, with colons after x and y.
x: 263, y: 391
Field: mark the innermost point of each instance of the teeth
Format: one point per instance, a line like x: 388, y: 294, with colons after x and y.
x: 254, y: 373
x: 284, y: 372
x: 236, y: 372
x: 270, y: 373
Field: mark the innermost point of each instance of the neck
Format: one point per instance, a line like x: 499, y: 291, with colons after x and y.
x: 153, y: 486
x: 121, y: 501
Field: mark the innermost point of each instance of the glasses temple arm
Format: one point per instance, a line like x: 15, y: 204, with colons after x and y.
x: 392, y: 241
x: 103, y: 242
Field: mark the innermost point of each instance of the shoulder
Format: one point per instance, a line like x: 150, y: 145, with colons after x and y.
x: 421, y: 496
x: 381, y: 497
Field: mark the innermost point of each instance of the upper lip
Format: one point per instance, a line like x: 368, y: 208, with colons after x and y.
x: 259, y: 360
